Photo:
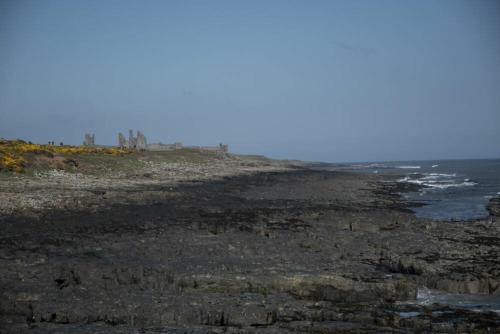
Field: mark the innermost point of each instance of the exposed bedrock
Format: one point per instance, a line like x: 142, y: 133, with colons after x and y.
x: 302, y: 251
x: 494, y: 207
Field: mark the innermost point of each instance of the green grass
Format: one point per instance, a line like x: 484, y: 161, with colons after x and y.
x: 19, y: 157
x: 129, y: 164
x: 99, y: 164
x: 96, y: 164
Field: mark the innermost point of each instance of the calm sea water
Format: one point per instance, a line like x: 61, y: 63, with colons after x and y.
x: 452, y: 189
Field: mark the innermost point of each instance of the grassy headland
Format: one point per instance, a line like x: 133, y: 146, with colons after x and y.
x: 43, y: 177
x: 18, y: 156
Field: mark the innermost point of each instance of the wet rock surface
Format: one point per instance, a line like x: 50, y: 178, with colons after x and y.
x: 494, y: 207
x: 272, y: 252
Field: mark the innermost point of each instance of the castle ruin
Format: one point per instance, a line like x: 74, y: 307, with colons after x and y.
x: 134, y: 142
x: 139, y: 142
x: 89, y: 140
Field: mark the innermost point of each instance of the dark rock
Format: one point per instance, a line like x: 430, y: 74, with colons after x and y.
x: 309, y: 251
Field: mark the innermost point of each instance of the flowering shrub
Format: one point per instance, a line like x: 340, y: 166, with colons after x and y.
x: 11, y: 162
x: 13, y: 152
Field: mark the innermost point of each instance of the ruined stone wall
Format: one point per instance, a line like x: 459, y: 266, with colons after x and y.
x: 163, y: 147
x: 139, y: 142
x: 221, y: 148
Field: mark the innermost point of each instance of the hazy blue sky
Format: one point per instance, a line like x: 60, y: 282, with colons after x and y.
x: 316, y: 80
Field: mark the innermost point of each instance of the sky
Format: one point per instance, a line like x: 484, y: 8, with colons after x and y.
x: 313, y: 80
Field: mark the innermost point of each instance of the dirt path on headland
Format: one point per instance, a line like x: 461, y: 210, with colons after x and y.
x: 276, y: 250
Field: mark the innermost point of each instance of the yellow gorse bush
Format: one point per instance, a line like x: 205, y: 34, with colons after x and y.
x: 11, y: 162
x: 12, y: 152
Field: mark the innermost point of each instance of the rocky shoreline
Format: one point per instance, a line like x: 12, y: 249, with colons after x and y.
x: 249, y: 248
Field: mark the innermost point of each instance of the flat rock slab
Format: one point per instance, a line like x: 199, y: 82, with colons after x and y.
x: 271, y: 252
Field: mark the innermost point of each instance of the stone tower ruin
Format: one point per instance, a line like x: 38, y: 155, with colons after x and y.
x: 138, y: 142
x: 122, y: 141
x: 132, y: 141
x: 89, y: 140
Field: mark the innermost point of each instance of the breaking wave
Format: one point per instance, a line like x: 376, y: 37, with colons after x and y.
x: 473, y: 302
x: 408, y: 167
x: 437, y: 180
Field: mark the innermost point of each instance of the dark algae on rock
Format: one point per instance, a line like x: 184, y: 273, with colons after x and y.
x: 273, y: 252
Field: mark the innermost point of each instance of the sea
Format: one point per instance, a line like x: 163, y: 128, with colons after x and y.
x: 451, y: 189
